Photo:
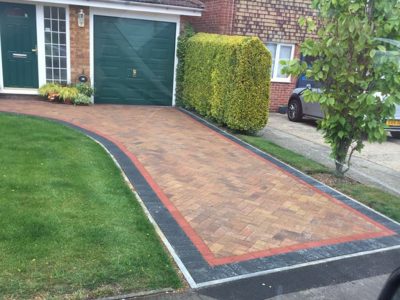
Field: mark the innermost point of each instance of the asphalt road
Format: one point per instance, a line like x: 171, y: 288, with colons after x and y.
x: 377, y: 164
x: 356, y: 278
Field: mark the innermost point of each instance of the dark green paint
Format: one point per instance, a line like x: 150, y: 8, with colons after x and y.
x: 18, y: 38
x: 122, y: 45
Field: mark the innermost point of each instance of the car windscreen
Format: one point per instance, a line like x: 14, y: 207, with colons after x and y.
x: 303, y: 81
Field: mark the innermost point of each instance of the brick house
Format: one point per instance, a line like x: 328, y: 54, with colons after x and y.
x: 275, y: 22
x: 125, y: 48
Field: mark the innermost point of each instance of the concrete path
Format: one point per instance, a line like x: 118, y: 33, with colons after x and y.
x: 377, y: 164
x: 225, y: 211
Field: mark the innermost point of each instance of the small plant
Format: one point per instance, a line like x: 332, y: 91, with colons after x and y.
x: 79, y: 94
x: 85, y: 89
x: 82, y: 99
x: 50, y: 90
x: 68, y: 93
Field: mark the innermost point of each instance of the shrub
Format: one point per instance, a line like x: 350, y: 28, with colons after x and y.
x: 49, y: 88
x: 85, y: 89
x: 68, y: 93
x: 227, y: 78
x: 181, y: 52
x: 78, y: 94
x: 82, y: 99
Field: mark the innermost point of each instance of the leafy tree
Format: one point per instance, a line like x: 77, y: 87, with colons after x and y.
x: 359, y: 71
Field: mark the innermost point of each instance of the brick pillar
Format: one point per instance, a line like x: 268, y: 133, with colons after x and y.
x: 79, y: 43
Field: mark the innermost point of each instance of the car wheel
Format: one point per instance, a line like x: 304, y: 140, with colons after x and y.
x: 395, y: 134
x: 295, y: 111
x: 391, y: 290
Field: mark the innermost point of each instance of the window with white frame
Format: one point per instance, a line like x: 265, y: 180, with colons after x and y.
x: 280, y: 52
x: 55, y: 35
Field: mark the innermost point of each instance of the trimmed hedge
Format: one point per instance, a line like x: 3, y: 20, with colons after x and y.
x: 187, y: 33
x: 227, y: 78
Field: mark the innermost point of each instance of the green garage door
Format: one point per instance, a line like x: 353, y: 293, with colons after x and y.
x: 133, y: 61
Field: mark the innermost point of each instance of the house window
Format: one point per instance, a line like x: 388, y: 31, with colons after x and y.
x: 280, y: 52
x: 55, y: 36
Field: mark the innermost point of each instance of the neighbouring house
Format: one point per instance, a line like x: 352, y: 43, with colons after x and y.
x: 275, y: 22
x: 125, y: 48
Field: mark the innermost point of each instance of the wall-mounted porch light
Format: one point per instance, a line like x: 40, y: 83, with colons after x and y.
x: 81, y: 18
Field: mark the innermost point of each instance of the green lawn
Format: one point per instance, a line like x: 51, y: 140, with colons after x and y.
x: 69, y: 225
x: 375, y: 198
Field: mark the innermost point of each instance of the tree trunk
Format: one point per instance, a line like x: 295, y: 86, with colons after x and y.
x: 339, y: 172
x: 340, y: 157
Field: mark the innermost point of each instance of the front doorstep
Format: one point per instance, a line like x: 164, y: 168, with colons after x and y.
x: 20, y: 97
x: 19, y: 91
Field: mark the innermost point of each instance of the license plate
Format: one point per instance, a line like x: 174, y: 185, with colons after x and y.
x: 393, y: 122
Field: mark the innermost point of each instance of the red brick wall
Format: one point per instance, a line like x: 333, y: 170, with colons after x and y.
x: 274, y: 21
x: 217, y: 17
x: 79, y: 43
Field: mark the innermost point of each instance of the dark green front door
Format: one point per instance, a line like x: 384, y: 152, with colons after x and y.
x: 133, y: 61
x: 18, y: 45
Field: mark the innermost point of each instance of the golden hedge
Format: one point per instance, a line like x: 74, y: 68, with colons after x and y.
x: 227, y: 78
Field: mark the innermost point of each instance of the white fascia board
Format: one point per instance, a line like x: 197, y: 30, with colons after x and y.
x: 129, y: 6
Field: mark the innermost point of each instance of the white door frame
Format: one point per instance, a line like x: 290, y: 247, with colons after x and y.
x: 41, y: 60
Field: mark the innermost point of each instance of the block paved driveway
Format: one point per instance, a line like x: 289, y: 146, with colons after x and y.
x: 223, y: 207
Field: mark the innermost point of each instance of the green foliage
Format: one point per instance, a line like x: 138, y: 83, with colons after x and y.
x: 357, y: 69
x: 49, y: 88
x: 227, y: 78
x: 181, y: 51
x: 85, y: 89
x: 82, y: 99
x: 68, y: 93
